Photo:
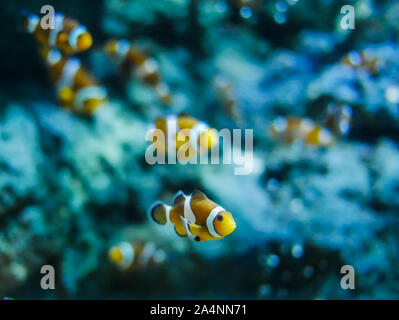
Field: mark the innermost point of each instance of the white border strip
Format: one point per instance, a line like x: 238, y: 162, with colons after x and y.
x: 127, y: 251
x: 58, y: 25
x: 69, y: 71
x: 188, y: 212
x: 74, y: 35
x: 171, y: 132
x: 87, y: 93
x: 211, y: 218
x: 33, y: 21
x: 196, y: 132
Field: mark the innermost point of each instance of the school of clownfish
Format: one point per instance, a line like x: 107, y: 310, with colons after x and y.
x: 336, y: 124
x: 77, y: 90
x: 192, y: 215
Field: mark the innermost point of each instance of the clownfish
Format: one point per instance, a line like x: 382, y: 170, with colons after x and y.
x: 225, y: 94
x: 247, y: 7
x: 362, y: 60
x: 77, y: 90
x: 68, y: 35
x: 131, y: 256
x: 195, y: 215
x: 305, y: 130
x: 184, y: 129
x: 338, y: 118
x: 144, y: 68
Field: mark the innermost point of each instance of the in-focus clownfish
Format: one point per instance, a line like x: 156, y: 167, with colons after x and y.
x: 77, y: 90
x: 305, y: 130
x: 131, y: 256
x: 137, y: 62
x: 195, y: 215
x: 68, y: 35
x: 225, y: 94
x: 184, y: 129
x: 338, y: 118
x: 362, y: 60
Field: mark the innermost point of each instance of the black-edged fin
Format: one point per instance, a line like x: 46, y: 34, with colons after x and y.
x: 179, y: 197
x: 159, y: 212
x: 198, y: 195
x: 183, y: 235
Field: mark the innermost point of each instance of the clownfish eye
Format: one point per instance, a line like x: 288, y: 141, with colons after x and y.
x: 219, y: 217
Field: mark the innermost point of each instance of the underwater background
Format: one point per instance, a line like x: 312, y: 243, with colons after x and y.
x: 71, y: 187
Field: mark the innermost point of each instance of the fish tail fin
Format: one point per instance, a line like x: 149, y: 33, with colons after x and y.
x: 160, y: 212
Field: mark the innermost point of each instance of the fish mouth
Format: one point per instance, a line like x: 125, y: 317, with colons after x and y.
x: 231, y: 228
x: 234, y: 226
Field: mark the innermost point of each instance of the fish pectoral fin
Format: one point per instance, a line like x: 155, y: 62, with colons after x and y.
x: 195, y: 229
x: 191, y: 228
x: 180, y: 232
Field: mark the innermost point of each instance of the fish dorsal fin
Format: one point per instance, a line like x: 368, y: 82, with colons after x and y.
x: 198, y: 195
x: 179, y: 197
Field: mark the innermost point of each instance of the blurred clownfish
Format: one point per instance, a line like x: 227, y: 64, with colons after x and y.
x: 305, y: 130
x: 132, y: 256
x: 247, y: 7
x: 195, y: 215
x: 143, y: 67
x: 68, y: 35
x: 184, y: 129
x: 362, y: 60
x: 77, y: 90
x: 225, y: 94
x: 338, y: 118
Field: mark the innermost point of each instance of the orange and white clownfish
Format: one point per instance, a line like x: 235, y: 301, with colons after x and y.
x: 184, y: 129
x: 77, y: 90
x: 247, y: 7
x: 338, y: 118
x: 68, y: 35
x: 225, y: 94
x: 305, y: 130
x: 144, y: 68
x: 195, y: 215
x: 132, y: 256
x: 362, y: 60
